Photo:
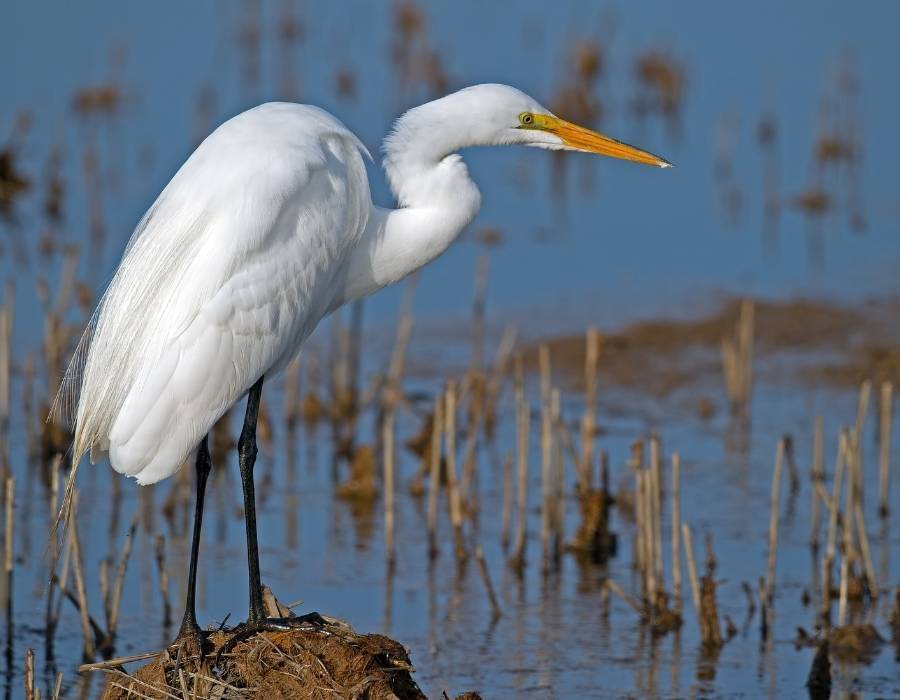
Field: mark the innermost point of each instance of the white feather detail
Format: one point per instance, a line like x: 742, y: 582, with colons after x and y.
x: 227, y: 273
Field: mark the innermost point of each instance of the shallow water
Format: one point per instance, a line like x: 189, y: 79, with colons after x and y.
x: 558, y: 635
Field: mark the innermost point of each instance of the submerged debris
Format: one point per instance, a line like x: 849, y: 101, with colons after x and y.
x: 360, y: 484
x: 819, y: 680
x: 856, y: 643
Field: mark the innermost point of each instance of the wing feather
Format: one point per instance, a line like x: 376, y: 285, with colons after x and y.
x: 228, y: 272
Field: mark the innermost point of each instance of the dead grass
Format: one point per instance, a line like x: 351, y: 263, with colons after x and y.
x: 327, y: 662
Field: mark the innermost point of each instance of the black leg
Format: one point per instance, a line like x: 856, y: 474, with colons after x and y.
x: 247, y: 458
x: 189, y: 626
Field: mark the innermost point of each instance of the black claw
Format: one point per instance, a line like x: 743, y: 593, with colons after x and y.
x: 245, y: 630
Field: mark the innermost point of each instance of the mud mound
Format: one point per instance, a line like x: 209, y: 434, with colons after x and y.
x: 841, y: 345
x: 326, y: 661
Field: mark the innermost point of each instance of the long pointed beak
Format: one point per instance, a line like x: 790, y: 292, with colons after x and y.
x: 582, y: 139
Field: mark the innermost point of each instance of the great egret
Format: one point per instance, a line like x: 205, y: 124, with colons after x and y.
x: 266, y: 229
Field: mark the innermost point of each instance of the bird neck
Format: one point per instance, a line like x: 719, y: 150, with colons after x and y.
x: 437, y: 201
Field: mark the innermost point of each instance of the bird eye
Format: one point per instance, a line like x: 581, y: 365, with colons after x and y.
x: 526, y: 118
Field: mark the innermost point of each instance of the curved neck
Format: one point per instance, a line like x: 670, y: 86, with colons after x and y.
x: 437, y: 201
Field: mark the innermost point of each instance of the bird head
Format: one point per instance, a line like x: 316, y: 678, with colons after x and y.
x: 499, y: 114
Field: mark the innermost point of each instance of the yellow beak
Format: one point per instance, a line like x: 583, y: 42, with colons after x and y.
x: 582, y: 139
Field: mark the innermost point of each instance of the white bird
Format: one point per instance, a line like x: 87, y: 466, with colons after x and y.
x: 266, y: 229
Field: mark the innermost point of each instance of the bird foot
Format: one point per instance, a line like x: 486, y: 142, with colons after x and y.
x: 190, y: 642
x: 245, y: 630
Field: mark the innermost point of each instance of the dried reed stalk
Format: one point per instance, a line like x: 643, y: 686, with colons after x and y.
x: 112, y: 610
x: 80, y: 589
x: 692, y: 570
x: 848, y: 540
x: 835, y: 501
x: 494, y: 385
x: 611, y: 585
x: 818, y: 479
x: 163, y: 574
x: 434, y: 477
x: 557, y: 482
x: 676, y: 532
x: 476, y: 412
x: 523, y: 424
x: 546, y: 454
x: 884, y: 440
x: 855, y: 515
x: 773, y: 521
x: 506, y: 517
x: 488, y: 584
x: 482, y: 268
x: 656, y: 510
x: 29, y: 675
x: 388, y: 444
x: 641, y: 559
x: 647, y: 525
x: 456, y: 517
x: 871, y: 578
x: 842, y: 600
x: 589, y: 420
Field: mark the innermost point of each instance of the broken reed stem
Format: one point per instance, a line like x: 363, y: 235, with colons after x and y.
x: 112, y: 613
x: 546, y: 453
x: 488, y: 584
x: 80, y: 589
x: 818, y: 479
x: 507, y: 500
x: 837, y: 486
x: 434, y: 476
x: 656, y: 511
x: 557, y: 480
x: 647, y: 522
x: 388, y: 443
x: 854, y: 512
x: 640, y: 555
x: 830, y: 546
x: 476, y: 412
x: 163, y: 573
x: 29, y: 674
x: 865, y: 390
x: 496, y: 378
x: 478, y: 310
x: 864, y: 548
x: 589, y: 420
x: 523, y: 425
x: 452, y: 487
x: 676, y: 532
x: 842, y: 600
x: 692, y: 570
x: 8, y: 548
x: 849, y: 549
x: 773, y: 520
x: 629, y: 600
x: 884, y: 440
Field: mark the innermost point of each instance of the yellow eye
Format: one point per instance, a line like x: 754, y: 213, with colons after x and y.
x: 526, y: 118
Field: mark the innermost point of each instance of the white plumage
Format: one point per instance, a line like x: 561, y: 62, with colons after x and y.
x: 226, y: 275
